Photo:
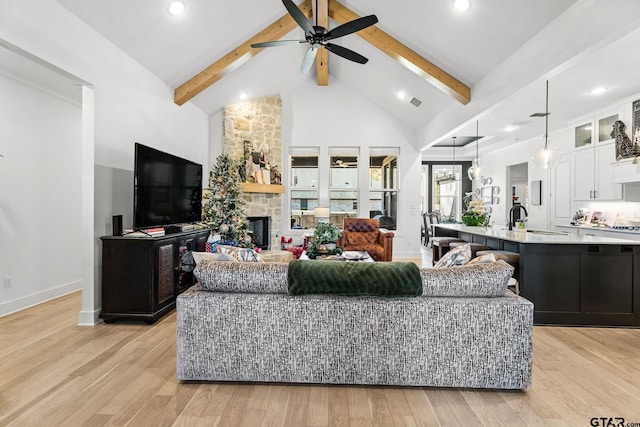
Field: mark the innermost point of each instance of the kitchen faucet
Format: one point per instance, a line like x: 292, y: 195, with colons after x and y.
x: 512, y: 221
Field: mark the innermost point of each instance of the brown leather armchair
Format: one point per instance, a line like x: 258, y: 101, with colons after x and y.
x: 365, y: 234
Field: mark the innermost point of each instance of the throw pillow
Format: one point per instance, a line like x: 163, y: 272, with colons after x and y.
x: 240, y: 254
x: 201, y: 256
x: 457, y: 256
x: 482, y: 259
x: 482, y: 280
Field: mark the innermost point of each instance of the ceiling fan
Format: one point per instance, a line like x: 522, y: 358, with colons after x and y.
x: 344, y: 164
x: 318, y: 36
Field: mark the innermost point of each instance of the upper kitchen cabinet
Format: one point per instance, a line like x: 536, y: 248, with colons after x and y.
x: 583, y: 135
x: 605, y: 128
x: 593, y: 174
x: 589, y: 133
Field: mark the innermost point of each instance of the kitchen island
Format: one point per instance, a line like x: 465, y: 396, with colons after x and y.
x: 571, y: 279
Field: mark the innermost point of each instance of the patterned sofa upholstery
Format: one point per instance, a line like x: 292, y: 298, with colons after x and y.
x: 466, y: 330
x: 365, y: 234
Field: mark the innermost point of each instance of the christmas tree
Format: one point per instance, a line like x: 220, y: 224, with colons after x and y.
x: 223, y: 210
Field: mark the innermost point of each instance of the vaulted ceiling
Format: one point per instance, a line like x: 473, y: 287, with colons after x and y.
x: 469, y: 46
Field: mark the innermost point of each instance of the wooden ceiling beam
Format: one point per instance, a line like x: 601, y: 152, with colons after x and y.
x: 237, y: 57
x: 405, y: 56
x: 322, y: 56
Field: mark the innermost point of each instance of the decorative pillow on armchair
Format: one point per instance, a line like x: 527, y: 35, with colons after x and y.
x: 241, y: 254
x: 457, y: 256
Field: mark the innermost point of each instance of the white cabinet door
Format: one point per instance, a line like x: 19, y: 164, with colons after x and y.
x: 562, y: 191
x: 593, y: 174
x: 583, y: 174
x: 605, y: 188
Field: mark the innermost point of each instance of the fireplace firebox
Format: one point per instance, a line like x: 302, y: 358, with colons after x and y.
x: 260, y: 228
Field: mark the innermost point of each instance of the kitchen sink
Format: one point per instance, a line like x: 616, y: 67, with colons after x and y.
x: 547, y: 233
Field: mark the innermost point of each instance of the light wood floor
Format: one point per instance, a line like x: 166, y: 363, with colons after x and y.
x: 54, y: 373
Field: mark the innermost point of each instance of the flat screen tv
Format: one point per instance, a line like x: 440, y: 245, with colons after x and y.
x: 166, y: 189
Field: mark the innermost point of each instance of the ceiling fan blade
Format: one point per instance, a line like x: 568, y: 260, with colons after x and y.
x: 277, y: 43
x: 299, y: 17
x: 351, y: 27
x: 346, y: 53
x: 307, y: 62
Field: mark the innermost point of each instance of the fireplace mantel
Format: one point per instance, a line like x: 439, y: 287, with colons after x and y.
x: 248, y: 187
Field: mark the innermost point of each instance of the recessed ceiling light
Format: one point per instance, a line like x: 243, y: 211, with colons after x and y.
x: 462, y: 5
x: 176, y: 8
x: 401, y: 95
x: 599, y: 90
x: 244, y: 95
x: 510, y: 128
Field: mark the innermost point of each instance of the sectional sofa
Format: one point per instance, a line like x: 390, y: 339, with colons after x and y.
x: 465, y: 329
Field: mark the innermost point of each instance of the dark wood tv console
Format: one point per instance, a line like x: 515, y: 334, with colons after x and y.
x: 141, y: 276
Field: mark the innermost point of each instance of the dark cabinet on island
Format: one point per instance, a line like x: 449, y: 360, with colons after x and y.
x: 571, y: 279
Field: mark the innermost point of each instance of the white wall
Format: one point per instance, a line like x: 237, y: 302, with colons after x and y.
x: 335, y: 116
x: 39, y: 195
x: 131, y: 104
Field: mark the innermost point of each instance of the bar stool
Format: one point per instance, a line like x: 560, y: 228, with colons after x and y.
x: 475, y: 247
x: 511, y: 258
x: 440, y: 246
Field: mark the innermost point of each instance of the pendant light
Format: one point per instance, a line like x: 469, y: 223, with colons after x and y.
x: 454, y: 176
x: 450, y: 175
x: 475, y: 170
x: 546, y: 156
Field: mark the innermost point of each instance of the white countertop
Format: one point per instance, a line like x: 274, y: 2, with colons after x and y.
x: 501, y: 232
x: 591, y: 227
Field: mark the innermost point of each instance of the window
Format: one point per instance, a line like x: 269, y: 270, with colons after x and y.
x: 447, y: 191
x: 343, y: 186
x: 303, y: 186
x: 383, y: 186
x: 332, y: 177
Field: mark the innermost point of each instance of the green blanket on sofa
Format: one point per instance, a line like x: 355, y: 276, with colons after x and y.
x: 389, y: 279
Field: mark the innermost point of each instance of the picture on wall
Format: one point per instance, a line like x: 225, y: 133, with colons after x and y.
x: 259, y: 167
x: 536, y: 193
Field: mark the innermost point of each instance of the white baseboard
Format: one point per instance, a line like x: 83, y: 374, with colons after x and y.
x: 31, y: 300
x: 89, y: 318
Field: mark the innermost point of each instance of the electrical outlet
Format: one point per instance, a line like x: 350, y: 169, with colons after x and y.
x: 7, y: 282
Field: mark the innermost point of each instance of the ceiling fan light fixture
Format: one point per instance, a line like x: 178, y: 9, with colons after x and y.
x: 462, y: 5
x: 176, y: 8
x: 546, y: 156
x: 317, y: 36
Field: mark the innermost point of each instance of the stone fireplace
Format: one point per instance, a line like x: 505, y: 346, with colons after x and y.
x: 260, y: 227
x: 257, y: 122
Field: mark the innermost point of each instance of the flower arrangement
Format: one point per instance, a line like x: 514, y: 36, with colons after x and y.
x: 324, y: 240
x: 475, y: 214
